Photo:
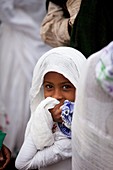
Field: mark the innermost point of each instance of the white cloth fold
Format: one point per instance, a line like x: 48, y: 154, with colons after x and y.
x: 41, y: 123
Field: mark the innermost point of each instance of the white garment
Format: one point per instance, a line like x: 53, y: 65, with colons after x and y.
x: 41, y: 123
x: 68, y: 62
x: 54, y: 157
x: 92, y: 124
x: 64, y: 60
x: 20, y: 48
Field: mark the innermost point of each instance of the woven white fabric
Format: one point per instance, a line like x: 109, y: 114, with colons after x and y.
x: 64, y: 60
x: 92, y: 124
x: 41, y: 123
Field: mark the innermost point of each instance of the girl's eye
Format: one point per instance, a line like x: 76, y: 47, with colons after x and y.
x: 48, y: 86
x: 66, y: 87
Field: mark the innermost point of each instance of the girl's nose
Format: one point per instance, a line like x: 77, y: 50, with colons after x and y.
x: 58, y: 94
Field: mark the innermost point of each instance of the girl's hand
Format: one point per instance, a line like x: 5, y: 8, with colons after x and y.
x: 56, y: 112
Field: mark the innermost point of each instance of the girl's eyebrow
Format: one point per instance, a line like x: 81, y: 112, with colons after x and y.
x: 47, y: 82
x: 66, y: 82
x: 59, y: 82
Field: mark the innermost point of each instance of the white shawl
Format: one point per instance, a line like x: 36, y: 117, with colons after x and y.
x: 20, y: 48
x: 92, y: 124
x: 66, y: 61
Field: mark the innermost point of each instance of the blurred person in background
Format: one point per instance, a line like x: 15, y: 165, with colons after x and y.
x: 93, y: 27
x: 58, y: 22
x: 20, y: 48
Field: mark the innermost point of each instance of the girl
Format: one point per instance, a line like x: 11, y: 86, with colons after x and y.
x: 55, y: 80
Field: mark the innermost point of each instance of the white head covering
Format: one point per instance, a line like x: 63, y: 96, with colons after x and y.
x: 92, y: 124
x: 64, y: 60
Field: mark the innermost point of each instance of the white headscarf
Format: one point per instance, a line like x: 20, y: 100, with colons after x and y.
x: 92, y: 124
x: 66, y: 61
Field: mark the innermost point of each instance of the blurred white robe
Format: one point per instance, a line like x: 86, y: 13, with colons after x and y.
x: 92, y: 124
x: 20, y: 48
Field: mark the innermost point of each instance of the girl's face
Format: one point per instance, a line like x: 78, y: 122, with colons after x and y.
x: 58, y: 87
